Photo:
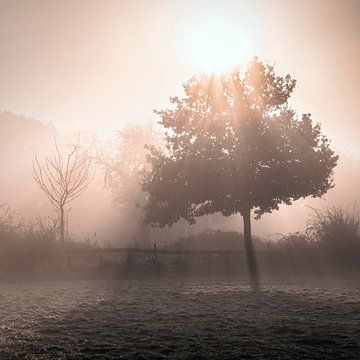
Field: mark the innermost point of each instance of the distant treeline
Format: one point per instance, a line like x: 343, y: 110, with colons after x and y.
x: 329, y: 246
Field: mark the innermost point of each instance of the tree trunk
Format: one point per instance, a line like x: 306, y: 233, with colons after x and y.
x: 144, y: 234
x: 249, y: 249
x: 62, y: 225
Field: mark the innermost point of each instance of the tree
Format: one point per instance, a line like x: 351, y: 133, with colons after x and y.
x: 63, y: 178
x: 234, y: 145
x: 123, y: 161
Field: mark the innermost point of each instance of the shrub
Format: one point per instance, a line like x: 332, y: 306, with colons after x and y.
x: 215, y: 240
x: 336, y: 228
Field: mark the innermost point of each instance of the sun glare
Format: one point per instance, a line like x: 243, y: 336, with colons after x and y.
x: 215, y: 43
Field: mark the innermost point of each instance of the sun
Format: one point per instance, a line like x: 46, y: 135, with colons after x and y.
x: 216, y: 42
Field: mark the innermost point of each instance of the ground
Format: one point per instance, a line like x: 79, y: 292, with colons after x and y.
x: 179, y: 319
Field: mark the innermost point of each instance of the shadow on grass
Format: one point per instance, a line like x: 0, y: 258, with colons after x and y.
x: 185, y: 320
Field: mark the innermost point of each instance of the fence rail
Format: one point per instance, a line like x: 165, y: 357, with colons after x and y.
x: 162, y: 251
x: 209, y: 258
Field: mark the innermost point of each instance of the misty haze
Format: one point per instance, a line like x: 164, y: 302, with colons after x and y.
x: 179, y: 180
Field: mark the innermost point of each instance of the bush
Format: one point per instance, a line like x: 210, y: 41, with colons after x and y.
x: 337, y: 229
x: 30, y: 247
x: 215, y: 240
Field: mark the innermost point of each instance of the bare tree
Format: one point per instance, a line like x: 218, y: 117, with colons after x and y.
x: 63, y: 178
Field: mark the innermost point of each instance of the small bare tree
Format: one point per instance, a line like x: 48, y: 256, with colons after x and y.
x: 63, y: 178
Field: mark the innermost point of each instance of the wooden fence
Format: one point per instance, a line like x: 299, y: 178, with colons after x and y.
x: 210, y: 258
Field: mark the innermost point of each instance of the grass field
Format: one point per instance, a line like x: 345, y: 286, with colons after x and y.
x: 179, y: 320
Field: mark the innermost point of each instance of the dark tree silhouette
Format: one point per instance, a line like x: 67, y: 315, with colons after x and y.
x: 63, y: 178
x: 234, y: 145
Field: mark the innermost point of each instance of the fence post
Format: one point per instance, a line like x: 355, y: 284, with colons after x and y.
x: 130, y: 259
x: 209, y: 263
x: 155, y: 253
x: 100, y: 259
x: 156, y: 262
x: 228, y: 263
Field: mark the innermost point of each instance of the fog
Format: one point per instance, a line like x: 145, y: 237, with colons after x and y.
x: 179, y: 179
x: 22, y: 138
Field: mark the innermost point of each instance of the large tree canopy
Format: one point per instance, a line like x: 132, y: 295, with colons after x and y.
x: 235, y: 145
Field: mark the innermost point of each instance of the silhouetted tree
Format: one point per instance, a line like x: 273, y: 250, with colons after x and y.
x: 63, y: 178
x: 234, y: 145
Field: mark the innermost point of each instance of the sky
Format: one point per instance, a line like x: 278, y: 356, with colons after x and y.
x: 101, y: 65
